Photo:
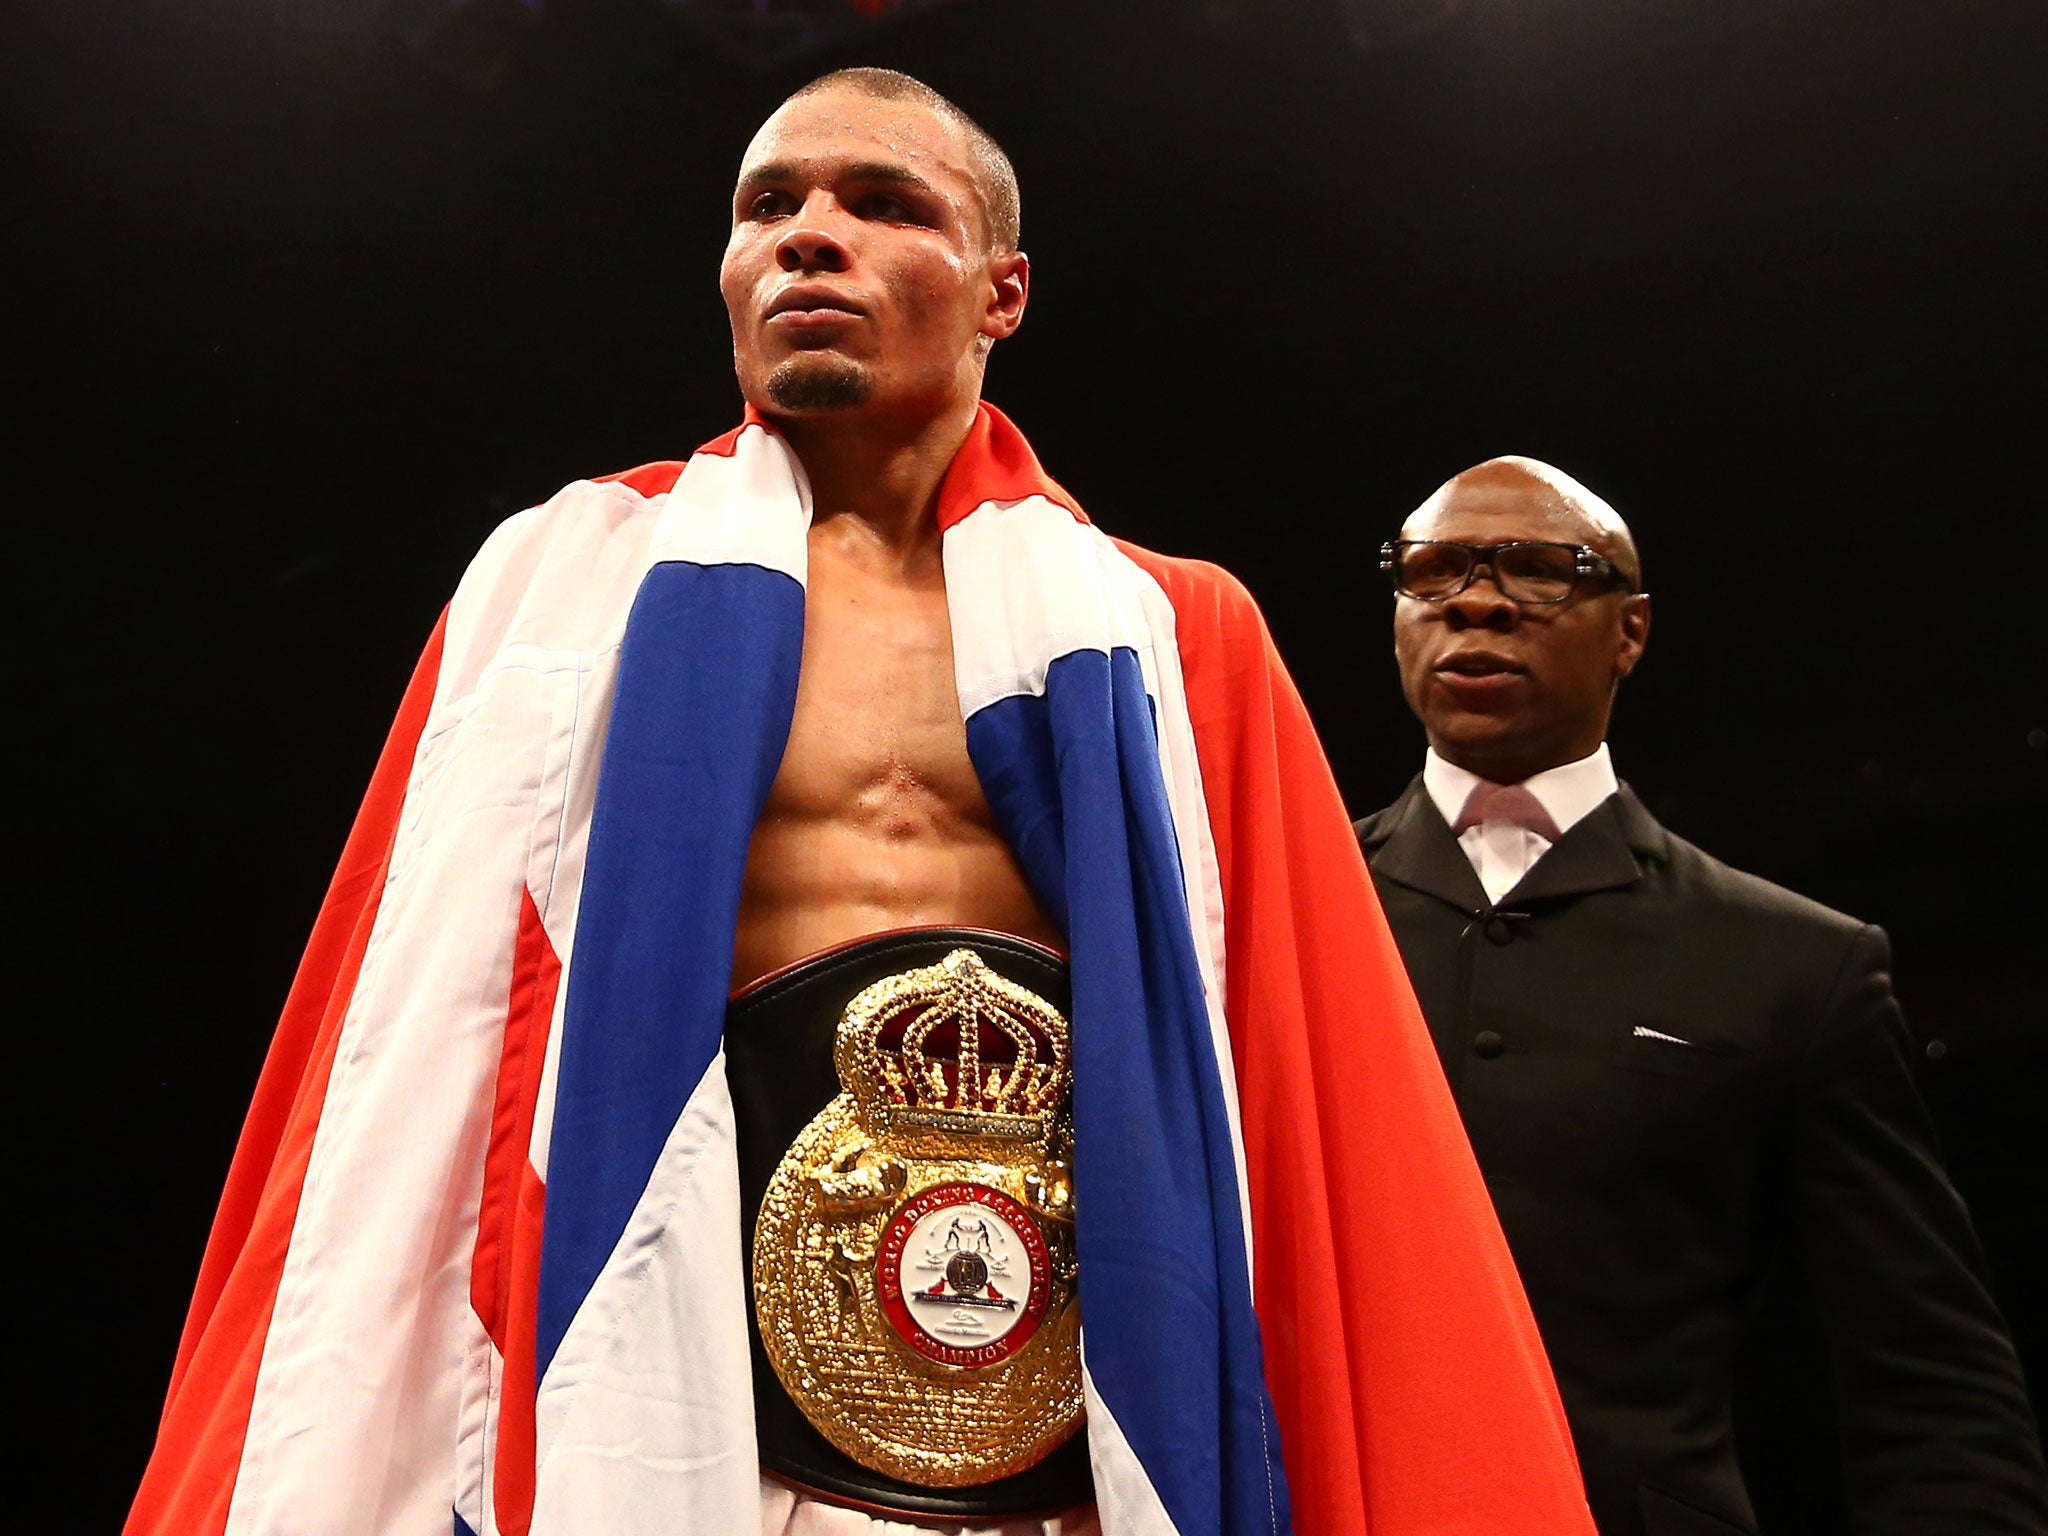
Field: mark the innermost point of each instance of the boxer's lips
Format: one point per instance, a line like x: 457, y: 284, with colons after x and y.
x: 810, y: 305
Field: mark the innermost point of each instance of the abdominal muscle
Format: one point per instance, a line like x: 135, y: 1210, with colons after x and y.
x: 814, y: 883
x: 876, y: 819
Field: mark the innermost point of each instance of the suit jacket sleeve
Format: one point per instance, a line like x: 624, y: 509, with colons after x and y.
x: 1411, y: 1387
x: 1937, y: 1434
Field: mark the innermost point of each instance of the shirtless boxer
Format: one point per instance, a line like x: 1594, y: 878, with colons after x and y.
x: 549, y: 1217
x: 873, y: 263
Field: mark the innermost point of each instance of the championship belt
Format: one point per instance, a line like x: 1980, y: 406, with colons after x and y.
x: 913, y: 1257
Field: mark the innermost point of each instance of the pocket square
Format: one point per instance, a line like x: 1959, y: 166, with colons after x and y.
x: 1644, y: 1032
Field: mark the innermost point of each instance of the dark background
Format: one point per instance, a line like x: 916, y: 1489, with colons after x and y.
x: 321, y: 290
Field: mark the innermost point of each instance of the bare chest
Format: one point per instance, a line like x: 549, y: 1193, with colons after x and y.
x: 877, y: 737
x: 876, y: 819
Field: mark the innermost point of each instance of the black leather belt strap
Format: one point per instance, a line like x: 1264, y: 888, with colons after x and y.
x: 778, y: 1060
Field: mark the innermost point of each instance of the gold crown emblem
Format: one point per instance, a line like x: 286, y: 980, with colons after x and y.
x: 954, y: 1046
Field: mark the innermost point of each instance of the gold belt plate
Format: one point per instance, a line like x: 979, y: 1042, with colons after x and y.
x: 914, y: 1254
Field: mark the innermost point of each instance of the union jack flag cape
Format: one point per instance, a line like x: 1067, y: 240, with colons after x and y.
x: 478, y: 1268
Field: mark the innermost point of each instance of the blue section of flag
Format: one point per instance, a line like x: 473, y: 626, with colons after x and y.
x: 1170, y: 1335
x: 462, y: 1527
x: 706, y: 688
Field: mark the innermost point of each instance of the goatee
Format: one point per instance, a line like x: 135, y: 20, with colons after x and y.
x: 819, y: 384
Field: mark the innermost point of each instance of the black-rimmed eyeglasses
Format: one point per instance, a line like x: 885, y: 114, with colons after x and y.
x: 1525, y: 570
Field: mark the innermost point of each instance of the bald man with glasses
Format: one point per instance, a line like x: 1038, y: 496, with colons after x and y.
x: 1687, y: 1088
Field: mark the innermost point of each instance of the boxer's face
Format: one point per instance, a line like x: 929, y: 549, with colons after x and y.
x: 1509, y: 689
x: 859, y: 276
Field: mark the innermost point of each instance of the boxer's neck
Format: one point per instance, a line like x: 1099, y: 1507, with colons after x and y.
x: 880, y: 473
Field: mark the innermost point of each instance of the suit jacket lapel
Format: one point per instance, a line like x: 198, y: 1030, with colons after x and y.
x: 1599, y: 852
x: 1602, y: 851
x: 1420, y: 852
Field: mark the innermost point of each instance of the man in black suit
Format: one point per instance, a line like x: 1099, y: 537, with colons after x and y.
x: 1687, y: 1088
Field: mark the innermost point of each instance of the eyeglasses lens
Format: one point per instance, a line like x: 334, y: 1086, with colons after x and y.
x: 1527, y: 573
x: 1432, y: 571
x: 1537, y: 573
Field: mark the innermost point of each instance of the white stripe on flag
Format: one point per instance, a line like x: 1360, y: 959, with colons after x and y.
x: 752, y: 508
x: 359, y: 1393
x: 1015, y: 583
x: 1124, y: 1496
x: 646, y: 1416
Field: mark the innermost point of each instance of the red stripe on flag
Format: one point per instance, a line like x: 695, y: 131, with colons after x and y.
x: 513, y: 1474
x: 536, y: 973
x: 996, y: 464
x: 656, y: 479
x: 190, y: 1481
x: 726, y: 444
x: 504, y: 1282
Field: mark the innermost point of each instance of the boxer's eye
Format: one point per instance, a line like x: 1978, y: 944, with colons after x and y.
x: 886, y: 207
x: 770, y: 205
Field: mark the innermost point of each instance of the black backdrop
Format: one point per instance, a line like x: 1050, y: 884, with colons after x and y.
x: 323, y: 289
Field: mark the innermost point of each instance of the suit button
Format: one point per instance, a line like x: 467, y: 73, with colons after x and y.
x: 1486, y: 1045
x: 1499, y: 931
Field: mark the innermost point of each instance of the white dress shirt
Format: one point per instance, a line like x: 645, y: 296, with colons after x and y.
x: 1502, y: 852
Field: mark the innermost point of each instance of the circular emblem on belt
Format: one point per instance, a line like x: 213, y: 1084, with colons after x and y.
x: 963, y: 1275
x: 914, y: 1255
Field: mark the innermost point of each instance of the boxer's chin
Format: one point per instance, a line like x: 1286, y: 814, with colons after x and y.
x: 819, y: 383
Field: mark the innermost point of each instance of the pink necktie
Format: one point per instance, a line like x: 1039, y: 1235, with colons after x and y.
x: 1510, y: 803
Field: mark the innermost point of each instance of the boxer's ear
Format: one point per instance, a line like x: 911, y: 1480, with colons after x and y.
x: 1009, y: 276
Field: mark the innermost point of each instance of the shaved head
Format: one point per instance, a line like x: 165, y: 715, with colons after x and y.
x: 861, y: 275
x: 1508, y: 688
x: 994, y: 178
x: 1544, y: 488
